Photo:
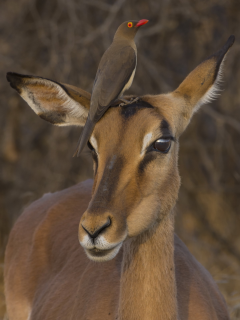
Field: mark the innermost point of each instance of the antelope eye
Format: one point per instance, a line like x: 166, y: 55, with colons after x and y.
x: 90, y: 146
x: 162, y: 145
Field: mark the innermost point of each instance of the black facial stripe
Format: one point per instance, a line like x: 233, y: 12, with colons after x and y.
x: 108, y: 185
x: 128, y: 112
x: 131, y: 109
x: 165, y: 128
x: 149, y: 157
x: 95, y: 159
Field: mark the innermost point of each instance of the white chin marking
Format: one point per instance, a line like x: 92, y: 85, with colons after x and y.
x: 103, y: 255
x: 86, y: 242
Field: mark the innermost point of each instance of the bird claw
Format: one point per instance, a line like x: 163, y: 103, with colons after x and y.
x: 135, y: 99
x: 127, y: 102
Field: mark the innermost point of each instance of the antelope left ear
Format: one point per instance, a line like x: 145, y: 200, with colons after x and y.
x: 58, y: 103
x: 200, y: 86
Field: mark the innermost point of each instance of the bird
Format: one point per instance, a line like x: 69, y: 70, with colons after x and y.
x: 115, y: 74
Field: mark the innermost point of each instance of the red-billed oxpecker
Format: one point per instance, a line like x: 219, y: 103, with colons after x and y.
x: 115, y: 74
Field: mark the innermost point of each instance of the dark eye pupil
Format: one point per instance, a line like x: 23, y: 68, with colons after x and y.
x: 162, y: 145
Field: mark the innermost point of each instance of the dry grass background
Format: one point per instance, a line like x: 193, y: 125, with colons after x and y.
x: 64, y: 41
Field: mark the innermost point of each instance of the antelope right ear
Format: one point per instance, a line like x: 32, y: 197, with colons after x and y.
x: 57, y: 103
x: 200, y: 86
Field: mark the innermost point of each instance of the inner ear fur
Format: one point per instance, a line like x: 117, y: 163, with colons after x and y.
x: 200, y: 86
x: 58, y: 103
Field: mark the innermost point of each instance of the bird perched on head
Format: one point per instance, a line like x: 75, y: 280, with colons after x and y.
x: 115, y: 74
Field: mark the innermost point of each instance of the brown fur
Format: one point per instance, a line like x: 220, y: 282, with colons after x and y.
x: 153, y: 276
x: 50, y: 275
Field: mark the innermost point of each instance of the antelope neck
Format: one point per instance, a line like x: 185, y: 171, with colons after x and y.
x: 148, y: 286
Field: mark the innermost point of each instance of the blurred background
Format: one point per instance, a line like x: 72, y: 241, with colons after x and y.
x: 64, y: 40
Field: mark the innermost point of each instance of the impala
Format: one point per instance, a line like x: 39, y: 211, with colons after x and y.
x: 129, y: 264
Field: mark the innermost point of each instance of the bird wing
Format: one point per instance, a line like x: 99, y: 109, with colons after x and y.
x: 114, y: 72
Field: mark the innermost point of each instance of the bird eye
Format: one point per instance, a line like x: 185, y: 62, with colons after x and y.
x: 130, y: 24
x: 162, y: 145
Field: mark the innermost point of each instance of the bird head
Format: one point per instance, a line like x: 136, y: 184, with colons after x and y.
x: 128, y: 29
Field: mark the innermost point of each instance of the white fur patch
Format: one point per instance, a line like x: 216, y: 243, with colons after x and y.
x: 76, y: 114
x: 100, y: 243
x: 146, y: 140
x: 75, y: 110
x: 214, y: 92
x: 93, y: 142
x: 86, y: 242
x: 109, y: 256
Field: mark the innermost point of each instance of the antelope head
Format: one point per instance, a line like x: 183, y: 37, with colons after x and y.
x: 134, y: 148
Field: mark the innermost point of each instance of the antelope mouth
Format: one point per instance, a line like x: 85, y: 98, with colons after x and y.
x: 96, y: 254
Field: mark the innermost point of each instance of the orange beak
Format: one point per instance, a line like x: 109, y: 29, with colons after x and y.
x: 141, y: 22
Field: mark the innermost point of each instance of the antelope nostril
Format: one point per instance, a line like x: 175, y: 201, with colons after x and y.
x: 95, y: 233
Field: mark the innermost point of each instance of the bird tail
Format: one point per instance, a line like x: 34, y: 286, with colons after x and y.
x: 86, y: 133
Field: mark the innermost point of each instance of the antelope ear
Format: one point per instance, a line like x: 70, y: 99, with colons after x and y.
x: 200, y: 86
x: 60, y: 104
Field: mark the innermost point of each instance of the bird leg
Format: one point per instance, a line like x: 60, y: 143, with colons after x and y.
x: 126, y: 102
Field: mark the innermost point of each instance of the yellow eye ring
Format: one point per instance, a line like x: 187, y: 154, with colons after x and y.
x: 130, y: 24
